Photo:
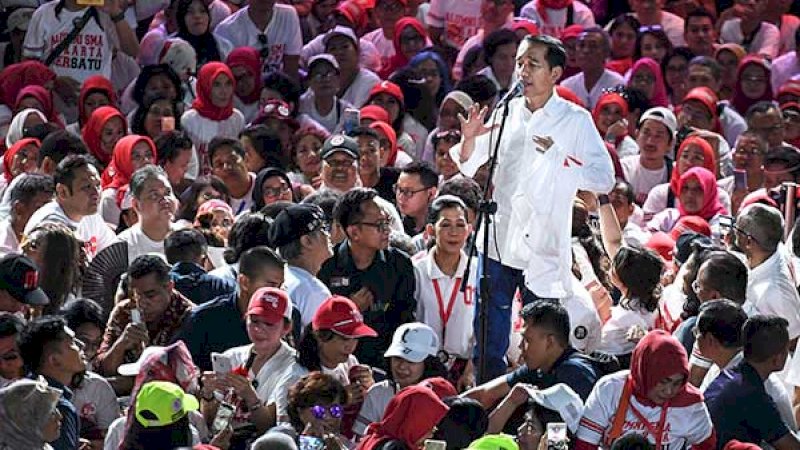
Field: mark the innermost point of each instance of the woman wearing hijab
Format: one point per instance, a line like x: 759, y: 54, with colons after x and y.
x: 753, y: 83
x: 23, y: 120
x: 653, y: 398
x: 698, y: 195
x: 694, y: 151
x: 22, y: 157
x: 194, y: 26
x: 410, y: 418
x: 29, y: 418
x: 409, y: 39
x: 646, y: 76
x: 15, y: 77
x: 245, y: 63
x: 272, y: 185
x: 609, y: 116
x: 130, y: 154
x: 212, y: 114
x: 37, y: 97
x: 728, y: 56
x: 106, y: 126
x: 96, y: 91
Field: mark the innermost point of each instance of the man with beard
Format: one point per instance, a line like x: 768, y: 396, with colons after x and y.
x: 49, y: 349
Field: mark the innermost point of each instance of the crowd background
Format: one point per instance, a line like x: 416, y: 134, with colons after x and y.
x: 244, y: 224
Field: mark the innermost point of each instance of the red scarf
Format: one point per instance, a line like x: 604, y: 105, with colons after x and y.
x: 118, y: 174
x: 659, y: 97
x: 205, y: 79
x: 44, y: 97
x: 610, y: 98
x: 8, y: 156
x: 16, y: 76
x: 95, y: 83
x: 400, y: 60
x: 249, y: 59
x: 657, y: 356
x: 542, y: 5
x: 388, y: 131
x: 740, y: 102
x: 709, y: 162
x: 93, y: 129
x: 711, y: 204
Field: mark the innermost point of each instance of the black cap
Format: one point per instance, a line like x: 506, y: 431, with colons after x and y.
x: 20, y: 278
x: 295, y: 222
x: 339, y: 143
x: 687, y: 243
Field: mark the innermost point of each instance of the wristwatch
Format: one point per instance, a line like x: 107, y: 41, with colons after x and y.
x: 603, y: 199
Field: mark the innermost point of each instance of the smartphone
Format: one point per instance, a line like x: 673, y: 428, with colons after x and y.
x: 223, y: 418
x: 167, y: 124
x: 221, y: 364
x: 352, y: 120
x: 739, y: 179
x: 557, y: 435
x: 136, y: 316
x: 433, y: 444
x: 311, y: 443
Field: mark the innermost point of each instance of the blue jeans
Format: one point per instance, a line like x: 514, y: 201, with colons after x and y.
x: 504, y: 281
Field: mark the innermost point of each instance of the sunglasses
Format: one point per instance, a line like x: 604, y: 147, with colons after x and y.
x: 335, y: 411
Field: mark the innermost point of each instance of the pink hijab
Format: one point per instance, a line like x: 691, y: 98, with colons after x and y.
x: 659, y: 97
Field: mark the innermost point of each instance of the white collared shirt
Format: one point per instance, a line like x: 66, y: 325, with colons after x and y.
x: 534, y: 190
x: 306, y: 292
x: 771, y: 290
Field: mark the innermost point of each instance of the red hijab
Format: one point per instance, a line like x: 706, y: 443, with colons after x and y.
x: 16, y: 76
x: 709, y: 162
x: 657, y: 356
x: 711, y: 204
x: 659, y: 97
x: 410, y: 415
x: 399, y: 60
x: 205, y: 79
x: 609, y: 98
x: 93, y: 129
x: 95, y: 83
x: 385, y: 128
x: 250, y: 60
x: 8, y: 156
x: 44, y: 97
x: 119, y: 172
x: 739, y: 101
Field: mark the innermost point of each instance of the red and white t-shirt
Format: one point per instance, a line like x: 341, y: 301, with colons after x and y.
x: 91, y: 230
x: 460, y: 19
x: 684, y: 426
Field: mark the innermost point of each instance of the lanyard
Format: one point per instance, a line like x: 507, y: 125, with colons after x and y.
x: 656, y: 432
x: 445, y: 314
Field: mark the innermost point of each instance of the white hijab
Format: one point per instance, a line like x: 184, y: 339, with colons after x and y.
x: 17, y: 128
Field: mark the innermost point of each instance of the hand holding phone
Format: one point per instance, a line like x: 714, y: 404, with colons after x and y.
x: 220, y: 363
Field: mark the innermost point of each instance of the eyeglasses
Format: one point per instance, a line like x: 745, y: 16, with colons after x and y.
x: 274, y: 192
x: 335, y: 411
x: 398, y: 191
x: 753, y: 151
x: 650, y: 28
x: 733, y: 226
x: 340, y: 164
x: 382, y: 225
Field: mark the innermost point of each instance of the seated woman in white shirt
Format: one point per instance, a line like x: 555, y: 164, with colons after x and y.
x: 636, y: 272
x: 698, y: 195
x: 694, y: 151
x: 130, y: 154
x: 610, y: 117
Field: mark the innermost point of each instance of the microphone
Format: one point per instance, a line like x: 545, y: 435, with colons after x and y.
x: 514, y: 91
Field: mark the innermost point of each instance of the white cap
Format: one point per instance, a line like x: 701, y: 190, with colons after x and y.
x: 662, y: 115
x: 340, y: 30
x: 413, y: 342
x: 323, y: 57
x: 132, y: 369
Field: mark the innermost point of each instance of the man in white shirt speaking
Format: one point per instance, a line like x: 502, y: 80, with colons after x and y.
x: 549, y: 149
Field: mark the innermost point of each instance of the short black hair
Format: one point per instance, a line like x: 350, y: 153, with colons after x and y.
x: 724, y: 319
x: 267, y: 144
x: 39, y: 339
x: 427, y: 174
x: 65, y: 171
x: 145, y: 265
x: 441, y: 203
x: 83, y: 310
x: 250, y: 230
x: 624, y: 19
x: 218, y: 143
x: 556, y: 55
x: 695, y: 13
x: 350, y: 208
x: 765, y: 337
x: 709, y: 63
x: 143, y: 175
x: 170, y: 145
x: 761, y: 107
x: 632, y: 441
x: 60, y: 144
x: 726, y: 274
x: 639, y: 269
x: 31, y: 185
x: 494, y: 40
x: 465, y: 422
x: 10, y: 324
x: 280, y: 82
x: 550, y: 315
x: 185, y: 245
x: 364, y: 131
x: 626, y: 190
x: 479, y: 88
x: 467, y: 189
x: 256, y: 259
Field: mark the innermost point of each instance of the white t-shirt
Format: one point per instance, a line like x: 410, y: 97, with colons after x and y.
x: 283, y: 34
x: 92, y: 230
x: 306, y: 291
x: 139, y: 244
x: 330, y: 121
x: 460, y: 19
x: 583, y: 318
x: 201, y: 130
x: 765, y: 42
x: 96, y: 402
x: 642, y: 180
x: 577, y: 84
x: 613, y: 338
x: 89, y: 53
x: 358, y: 91
x: 557, y: 18
x: 375, y: 403
x: 244, y: 204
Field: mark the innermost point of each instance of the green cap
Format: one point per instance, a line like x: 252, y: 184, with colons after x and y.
x: 161, y: 403
x: 494, y: 442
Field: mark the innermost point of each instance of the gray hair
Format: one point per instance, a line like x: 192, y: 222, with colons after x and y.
x: 142, y: 176
x: 292, y: 250
x: 274, y: 440
x: 763, y: 223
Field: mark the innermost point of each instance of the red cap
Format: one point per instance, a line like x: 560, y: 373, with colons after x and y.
x: 525, y: 24
x: 270, y: 304
x: 441, y: 387
x: 690, y: 223
x: 374, y: 112
x: 342, y: 316
x: 571, y: 32
x: 705, y: 96
x: 387, y: 87
x: 663, y: 244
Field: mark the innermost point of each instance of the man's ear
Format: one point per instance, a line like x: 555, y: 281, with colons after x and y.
x: 61, y: 191
x: 48, y: 166
x: 556, y: 72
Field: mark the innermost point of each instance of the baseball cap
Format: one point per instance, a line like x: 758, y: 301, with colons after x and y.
x: 294, y: 222
x: 374, y: 112
x: 19, y: 276
x: 161, y: 403
x: 340, y: 30
x: 271, y: 304
x: 132, y: 369
x: 690, y: 223
x: 522, y: 23
x: 413, y: 342
x: 662, y: 115
x: 387, y: 87
x: 494, y: 442
x: 339, y: 143
x: 323, y: 58
x: 342, y: 316
x: 687, y: 243
x: 209, y: 206
x: 19, y: 19
x: 663, y: 244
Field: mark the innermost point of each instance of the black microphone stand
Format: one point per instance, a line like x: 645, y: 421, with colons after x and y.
x: 486, y: 211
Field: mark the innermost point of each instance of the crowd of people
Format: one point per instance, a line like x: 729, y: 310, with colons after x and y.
x: 261, y: 224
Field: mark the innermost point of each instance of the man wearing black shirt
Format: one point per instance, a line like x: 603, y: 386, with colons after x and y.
x: 379, y: 279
